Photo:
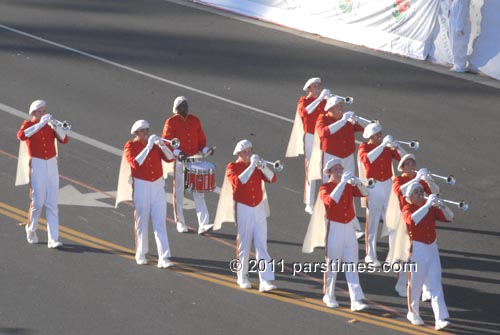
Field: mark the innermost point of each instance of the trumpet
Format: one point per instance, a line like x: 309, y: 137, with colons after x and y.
x: 175, y: 142
x: 65, y: 125
x: 450, y: 179
x: 369, y: 183
x: 348, y: 100
x: 277, y: 165
x: 365, y: 119
x: 412, y: 144
x: 462, y: 205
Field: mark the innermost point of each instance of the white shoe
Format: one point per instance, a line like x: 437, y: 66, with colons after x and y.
x: 182, y: 228
x: 457, y: 69
x: 141, y: 260
x: 164, y: 264
x: 415, y: 319
x: 358, y: 305
x: 375, y: 261
x: 309, y: 209
x: 204, y: 228
x: 54, y: 244
x: 330, y: 301
x: 426, y: 295
x: 266, y: 286
x: 441, y: 324
x: 31, y: 236
x: 244, y: 283
x: 359, y: 234
x: 402, y: 291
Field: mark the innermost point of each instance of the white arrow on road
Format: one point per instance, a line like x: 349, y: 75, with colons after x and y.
x: 69, y: 195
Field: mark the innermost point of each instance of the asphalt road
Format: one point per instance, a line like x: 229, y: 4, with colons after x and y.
x: 103, y: 65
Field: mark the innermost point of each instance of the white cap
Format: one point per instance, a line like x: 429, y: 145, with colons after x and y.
x: 371, y: 129
x: 138, y: 125
x: 177, y: 102
x: 332, y: 162
x: 37, y: 104
x: 242, y: 145
x: 311, y: 81
x: 333, y: 101
x: 403, y: 159
x: 412, y: 187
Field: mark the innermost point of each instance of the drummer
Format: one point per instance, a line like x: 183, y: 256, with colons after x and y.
x: 187, y: 128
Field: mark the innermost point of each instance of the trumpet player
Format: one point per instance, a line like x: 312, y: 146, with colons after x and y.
x: 246, y: 176
x: 396, y: 229
x: 188, y: 129
x: 420, y: 216
x: 309, y: 108
x: 341, y: 242
x: 375, y: 161
x: 40, y: 134
x: 144, y: 155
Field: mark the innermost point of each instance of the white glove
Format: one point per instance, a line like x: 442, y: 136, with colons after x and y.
x: 387, y: 140
x: 254, y: 160
x: 421, y: 173
x: 166, y: 151
x: 346, y: 176
x: 324, y: 93
x: 45, y: 119
x: 60, y: 133
x: 28, y: 132
x: 268, y: 173
x: 151, y: 141
x: 347, y: 116
x: 431, y: 200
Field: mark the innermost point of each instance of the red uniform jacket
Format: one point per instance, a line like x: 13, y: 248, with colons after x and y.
x: 188, y: 130
x: 40, y: 144
x: 151, y: 169
x: 381, y: 168
x: 343, y: 211
x: 425, y: 231
x: 341, y: 144
x: 309, y: 120
x: 250, y: 193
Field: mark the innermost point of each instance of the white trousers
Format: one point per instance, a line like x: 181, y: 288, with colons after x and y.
x: 342, y: 246
x: 252, y: 226
x: 44, y: 177
x: 199, y: 198
x: 309, y: 185
x: 428, y: 271
x: 378, y: 198
x: 149, y: 200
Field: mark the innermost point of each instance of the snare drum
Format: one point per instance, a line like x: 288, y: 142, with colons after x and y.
x: 199, y: 177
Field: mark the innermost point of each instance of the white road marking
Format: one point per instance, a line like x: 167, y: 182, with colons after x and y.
x: 145, y: 74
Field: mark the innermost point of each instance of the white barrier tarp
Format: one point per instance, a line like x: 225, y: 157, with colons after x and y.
x: 411, y: 28
x: 486, y: 53
x: 403, y: 27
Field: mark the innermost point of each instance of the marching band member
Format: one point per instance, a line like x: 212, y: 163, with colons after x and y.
x: 336, y: 208
x: 40, y: 134
x: 243, y: 200
x: 375, y: 161
x: 144, y: 155
x: 187, y: 128
x: 336, y: 130
x: 309, y: 107
x: 420, y: 217
x: 399, y: 242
